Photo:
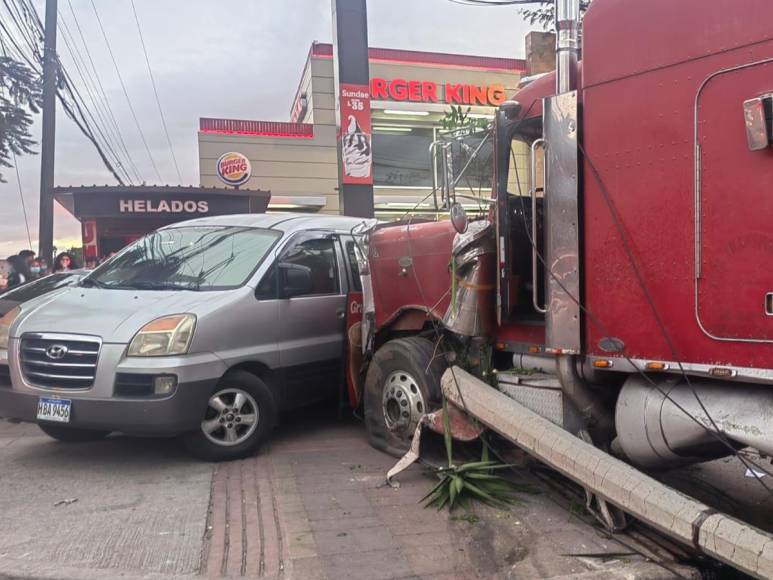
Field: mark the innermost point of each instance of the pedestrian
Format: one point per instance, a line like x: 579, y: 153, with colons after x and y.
x: 36, y: 269
x: 64, y: 263
x: 19, y: 274
x: 28, y: 256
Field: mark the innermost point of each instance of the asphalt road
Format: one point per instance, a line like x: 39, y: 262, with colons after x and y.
x: 312, y: 504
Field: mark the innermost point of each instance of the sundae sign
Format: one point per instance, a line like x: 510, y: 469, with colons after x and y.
x: 356, y: 134
x: 234, y: 169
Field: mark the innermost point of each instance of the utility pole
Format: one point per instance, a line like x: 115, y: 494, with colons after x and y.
x: 352, y: 79
x: 47, y: 149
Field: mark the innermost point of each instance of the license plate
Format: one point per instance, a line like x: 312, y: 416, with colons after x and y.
x: 54, y: 410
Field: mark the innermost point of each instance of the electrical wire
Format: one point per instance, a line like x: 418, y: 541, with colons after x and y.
x: 21, y: 198
x: 103, y: 95
x: 125, y: 91
x: 102, y: 123
x: 155, y: 92
x: 31, y: 30
x: 72, y: 88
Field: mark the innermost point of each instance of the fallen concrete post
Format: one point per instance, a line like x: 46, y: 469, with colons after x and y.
x: 675, y: 514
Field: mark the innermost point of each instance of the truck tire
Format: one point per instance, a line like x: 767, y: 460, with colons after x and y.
x: 402, y: 384
x: 72, y: 434
x: 240, y: 415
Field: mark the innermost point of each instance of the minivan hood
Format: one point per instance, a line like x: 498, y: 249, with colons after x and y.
x: 113, y: 315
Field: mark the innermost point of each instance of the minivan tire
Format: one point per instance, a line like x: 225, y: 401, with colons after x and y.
x: 72, y: 434
x: 403, y: 377
x: 256, y: 393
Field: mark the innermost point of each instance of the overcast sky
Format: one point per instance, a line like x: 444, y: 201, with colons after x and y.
x: 219, y: 59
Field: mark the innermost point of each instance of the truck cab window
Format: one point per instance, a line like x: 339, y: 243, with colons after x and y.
x: 518, y: 285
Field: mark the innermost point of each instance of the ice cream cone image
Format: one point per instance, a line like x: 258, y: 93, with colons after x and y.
x: 356, y: 151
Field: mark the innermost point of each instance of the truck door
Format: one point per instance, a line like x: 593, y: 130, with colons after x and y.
x: 311, y: 335
x: 734, y: 210
x: 354, y: 310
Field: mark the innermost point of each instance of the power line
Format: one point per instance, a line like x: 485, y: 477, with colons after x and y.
x: 75, y: 110
x: 80, y: 67
x: 21, y: 198
x: 125, y: 92
x: 31, y: 29
x: 103, y: 94
x: 155, y: 92
x: 101, y: 132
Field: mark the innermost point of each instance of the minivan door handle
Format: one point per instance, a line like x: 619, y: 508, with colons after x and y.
x: 341, y: 313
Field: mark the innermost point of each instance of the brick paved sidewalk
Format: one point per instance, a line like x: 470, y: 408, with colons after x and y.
x: 312, y: 505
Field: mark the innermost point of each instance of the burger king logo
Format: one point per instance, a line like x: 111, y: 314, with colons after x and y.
x: 234, y: 168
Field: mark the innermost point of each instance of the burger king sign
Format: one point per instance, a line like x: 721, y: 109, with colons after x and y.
x: 234, y: 169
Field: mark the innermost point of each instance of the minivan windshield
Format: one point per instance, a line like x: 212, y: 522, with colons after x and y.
x: 187, y: 258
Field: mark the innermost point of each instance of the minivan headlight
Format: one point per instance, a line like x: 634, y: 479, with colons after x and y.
x: 166, y: 336
x: 5, y: 325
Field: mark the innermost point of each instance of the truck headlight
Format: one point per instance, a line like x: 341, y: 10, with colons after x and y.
x: 5, y: 325
x: 166, y: 336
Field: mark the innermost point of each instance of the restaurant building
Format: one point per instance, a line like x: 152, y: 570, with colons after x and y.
x: 410, y: 94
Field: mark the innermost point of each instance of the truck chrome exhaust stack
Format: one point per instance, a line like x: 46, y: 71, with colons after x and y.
x: 653, y: 431
x: 567, y: 44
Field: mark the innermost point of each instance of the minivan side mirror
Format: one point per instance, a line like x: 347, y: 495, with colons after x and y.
x: 294, y: 280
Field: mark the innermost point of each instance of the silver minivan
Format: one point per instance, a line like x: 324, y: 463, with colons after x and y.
x: 205, y: 329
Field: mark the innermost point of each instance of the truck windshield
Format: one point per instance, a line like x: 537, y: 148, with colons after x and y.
x: 187, y: 258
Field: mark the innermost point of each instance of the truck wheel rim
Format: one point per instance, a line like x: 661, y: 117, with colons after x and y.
x: 231, y: 418
x: 402, y: 403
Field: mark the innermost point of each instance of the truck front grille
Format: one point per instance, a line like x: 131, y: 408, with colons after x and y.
x: 59, y: 361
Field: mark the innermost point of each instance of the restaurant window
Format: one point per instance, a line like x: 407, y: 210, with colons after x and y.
x: 401, y: 157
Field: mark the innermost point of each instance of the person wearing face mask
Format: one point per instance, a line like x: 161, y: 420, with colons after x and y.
x: 36, y: 269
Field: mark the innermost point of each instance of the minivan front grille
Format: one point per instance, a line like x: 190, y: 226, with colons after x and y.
x: 59, y: 361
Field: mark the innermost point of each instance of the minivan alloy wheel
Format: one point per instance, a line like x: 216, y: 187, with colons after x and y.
x: 402, y: 402
x: 231, y: 418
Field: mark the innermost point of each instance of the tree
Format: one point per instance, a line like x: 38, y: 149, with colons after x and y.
x: 20, y: 96
x: 545, y: 15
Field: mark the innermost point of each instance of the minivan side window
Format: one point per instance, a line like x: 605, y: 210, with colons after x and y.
x: 315, y: 254
x: 318, y: 255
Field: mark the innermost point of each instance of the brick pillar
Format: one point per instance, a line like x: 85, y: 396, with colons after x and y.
x: 540, y: 52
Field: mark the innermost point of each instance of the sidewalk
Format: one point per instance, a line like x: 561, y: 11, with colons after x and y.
x: 309, y: 506
x: 314, y: 506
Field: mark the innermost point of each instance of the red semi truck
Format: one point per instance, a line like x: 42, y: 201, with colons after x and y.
x: 626, y: 249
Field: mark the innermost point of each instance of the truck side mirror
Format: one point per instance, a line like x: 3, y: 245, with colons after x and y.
x: 294, y: 280
x: 459, y: 218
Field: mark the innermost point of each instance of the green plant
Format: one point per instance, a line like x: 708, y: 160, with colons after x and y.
x: 460, y: 483
x: 458, y: 120
x: 20, y: 96
x: 545, y: 15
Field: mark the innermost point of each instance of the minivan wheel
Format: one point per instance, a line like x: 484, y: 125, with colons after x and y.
x: 72, y: 434
x: 402, y: 385
x: 239, y: 416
